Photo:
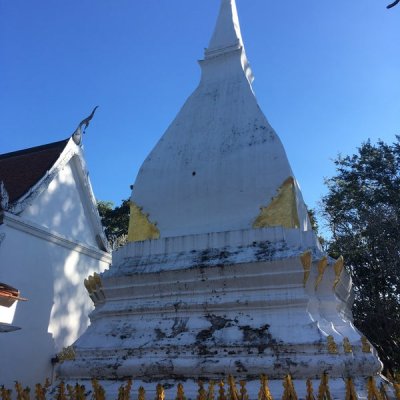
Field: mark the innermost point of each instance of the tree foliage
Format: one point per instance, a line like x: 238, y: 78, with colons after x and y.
x: 115, y: 221
x: 362, y: 208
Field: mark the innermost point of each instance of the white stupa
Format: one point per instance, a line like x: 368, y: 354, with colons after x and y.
x: 220, y: 160
x: 223, y: 274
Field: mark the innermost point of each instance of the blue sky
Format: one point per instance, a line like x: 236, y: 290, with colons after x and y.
x: 327, y: 77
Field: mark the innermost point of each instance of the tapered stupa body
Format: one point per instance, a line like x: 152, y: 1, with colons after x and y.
x: 220, y: 161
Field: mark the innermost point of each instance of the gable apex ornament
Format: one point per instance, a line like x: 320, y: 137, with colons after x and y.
x: 77, y: 135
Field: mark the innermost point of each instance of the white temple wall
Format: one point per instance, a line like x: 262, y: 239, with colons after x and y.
x: 49, y: 270
x: 7, y: 314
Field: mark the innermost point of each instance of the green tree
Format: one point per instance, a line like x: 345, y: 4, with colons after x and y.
x: 115, y: 221
x: 315, y: 226
x: 362, y: 208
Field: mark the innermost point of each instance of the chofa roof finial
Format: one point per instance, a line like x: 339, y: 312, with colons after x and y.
x: 77, y: 135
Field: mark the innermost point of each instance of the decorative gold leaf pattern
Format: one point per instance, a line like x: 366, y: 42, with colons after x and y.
x: 306, y: 261
x: 322, y: 264
x: 338, y: 268
x: 140, y: 227
x: 282, y: 211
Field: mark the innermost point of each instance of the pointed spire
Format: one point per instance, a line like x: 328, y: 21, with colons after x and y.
x: 227, y: 35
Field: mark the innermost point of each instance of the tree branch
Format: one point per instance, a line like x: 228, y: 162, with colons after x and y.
x: 393, y: 4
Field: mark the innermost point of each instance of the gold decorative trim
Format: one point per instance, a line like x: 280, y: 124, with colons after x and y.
x: 332, y: 346
x: 306, y: 261
x: 397, y: 390
x: 211, y: 390
x: 98, y: 390
x: 365, y: 346
x: 347, y: 346
x: 97, y: 279
x: 324, y: 392
x: 67, y: 353
x: 383, y: 392
x: 289, y: 392
x: 160, y: 393
x: 202, y: 394
x: 40, y: 391
x: 180, y: 393
x: 221, y: 391
x: 338, y: 268
x: 78, y: 392
x: 141, y: 393
x: 282, y: 211
x: 233, y: 392
x: 264, y: 393
x: 351, y: 393
x: 372, y: 390
x: 92, y: 283
x: 322, y: 264
x: 140, y: 227
x: 310, y: 390
x: 243, y: 391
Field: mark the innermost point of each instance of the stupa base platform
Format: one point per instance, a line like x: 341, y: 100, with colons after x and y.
x: 244, y: 303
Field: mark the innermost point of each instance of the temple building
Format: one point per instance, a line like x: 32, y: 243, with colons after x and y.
x: 51, y: 239
x: 223, y: 274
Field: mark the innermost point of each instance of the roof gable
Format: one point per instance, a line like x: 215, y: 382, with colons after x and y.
x: 64, y: 206
x: 28, y: 173
x: 21, y: 170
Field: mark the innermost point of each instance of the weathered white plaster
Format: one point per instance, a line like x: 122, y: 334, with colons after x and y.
x: 243, y: 318
x: 220, y: 160
x: 284, y: 242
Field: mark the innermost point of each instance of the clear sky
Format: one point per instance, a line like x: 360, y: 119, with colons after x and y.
x: 327, y: 77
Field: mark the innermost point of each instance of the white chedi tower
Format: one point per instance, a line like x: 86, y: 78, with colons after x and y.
x: 223, y: 274
x: 220, y: 160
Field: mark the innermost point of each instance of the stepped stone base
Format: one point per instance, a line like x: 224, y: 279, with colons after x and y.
x: 240, y: 303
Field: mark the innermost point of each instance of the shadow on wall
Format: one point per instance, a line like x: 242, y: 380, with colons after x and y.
x: 72, y: 305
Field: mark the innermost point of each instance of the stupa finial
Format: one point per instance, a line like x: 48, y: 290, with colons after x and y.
x: 227, y: 35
